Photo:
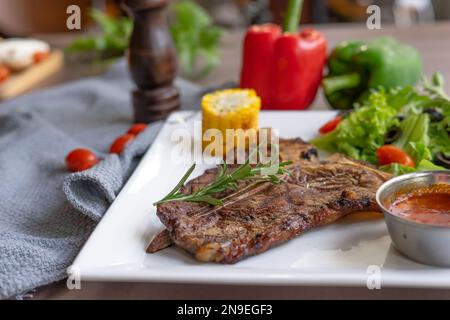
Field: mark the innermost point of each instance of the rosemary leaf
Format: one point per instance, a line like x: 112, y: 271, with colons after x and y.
x: 225, y: 181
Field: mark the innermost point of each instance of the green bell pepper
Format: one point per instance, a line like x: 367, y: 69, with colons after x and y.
x: 355, y: 67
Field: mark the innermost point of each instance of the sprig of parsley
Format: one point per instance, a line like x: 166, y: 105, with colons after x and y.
x: 196, y: 39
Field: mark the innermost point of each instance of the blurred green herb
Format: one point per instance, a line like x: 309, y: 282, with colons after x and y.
x: 196, y: 39
x: 113, y: 40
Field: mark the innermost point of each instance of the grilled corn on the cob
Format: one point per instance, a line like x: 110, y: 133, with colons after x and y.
x: 230, y: 109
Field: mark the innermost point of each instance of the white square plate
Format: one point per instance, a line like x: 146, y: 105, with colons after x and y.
x: 352, y: 252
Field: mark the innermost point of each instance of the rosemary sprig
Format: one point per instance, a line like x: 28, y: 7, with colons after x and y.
x: 225, y: 181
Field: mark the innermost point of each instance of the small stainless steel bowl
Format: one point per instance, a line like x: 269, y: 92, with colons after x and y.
x: 425, y: 243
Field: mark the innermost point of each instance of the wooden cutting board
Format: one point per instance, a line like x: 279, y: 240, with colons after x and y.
x: 22, y: 81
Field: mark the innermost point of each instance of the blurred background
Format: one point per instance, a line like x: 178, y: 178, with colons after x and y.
x: 208, y: 34
x: 25, y: 17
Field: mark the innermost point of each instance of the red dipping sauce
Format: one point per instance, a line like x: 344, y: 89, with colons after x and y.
x: 428, y: 205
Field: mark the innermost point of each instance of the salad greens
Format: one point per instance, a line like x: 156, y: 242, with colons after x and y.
x: 361, y: 133
x: 422, y: 114
x: 414, y: 139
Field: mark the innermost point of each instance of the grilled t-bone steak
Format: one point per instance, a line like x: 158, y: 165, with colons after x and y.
x: 265, y: 214
x: 289, y: 150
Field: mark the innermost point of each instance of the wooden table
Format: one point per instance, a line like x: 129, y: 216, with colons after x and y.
x: 433, y: 42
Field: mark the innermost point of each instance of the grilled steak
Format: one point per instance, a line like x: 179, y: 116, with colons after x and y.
x: 294, y: 150
x: 265, y: 214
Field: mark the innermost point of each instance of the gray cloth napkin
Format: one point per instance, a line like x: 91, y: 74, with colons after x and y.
x: 47, y: 214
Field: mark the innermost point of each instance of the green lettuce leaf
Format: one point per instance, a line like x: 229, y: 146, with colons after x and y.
x: 362, y: 132
x: 424, y: 165
x: 414, y: 139
x: 397, y: 169
x: 440, y: 132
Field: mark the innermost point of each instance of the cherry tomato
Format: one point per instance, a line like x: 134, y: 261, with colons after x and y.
x: 121, y: 142
x: 80, y: 159
x: 330, y: 125
x: 137, y: 128
x: 4, y: 73
x: 39, y: 56
x: 388, y: 154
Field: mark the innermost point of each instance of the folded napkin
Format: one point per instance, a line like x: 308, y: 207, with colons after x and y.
x: 46, y: 214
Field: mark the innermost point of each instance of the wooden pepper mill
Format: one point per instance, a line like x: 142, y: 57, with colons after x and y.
x: 151, y: 61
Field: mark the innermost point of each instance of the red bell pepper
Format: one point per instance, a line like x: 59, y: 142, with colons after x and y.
x: 259, y: 43
x: 285, y: 69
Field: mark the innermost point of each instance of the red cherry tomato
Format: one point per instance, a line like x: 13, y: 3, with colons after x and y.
x: 39, y: 56
x: 330, y: 125
x: 121, y: 142
x: 80, y: 159
x: 137, y: 128
x: 388, y: 154
x: 4, y: 73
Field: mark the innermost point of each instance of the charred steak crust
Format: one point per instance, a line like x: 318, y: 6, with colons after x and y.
x: 317, y: 194
x: 296, y: 150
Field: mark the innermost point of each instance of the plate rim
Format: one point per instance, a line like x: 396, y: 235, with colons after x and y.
x: 272, y: 277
